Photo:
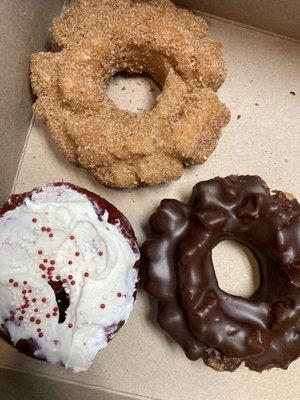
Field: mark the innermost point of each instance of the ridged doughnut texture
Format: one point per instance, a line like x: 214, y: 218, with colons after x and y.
x: 96, y: 40
x: 262, y: 330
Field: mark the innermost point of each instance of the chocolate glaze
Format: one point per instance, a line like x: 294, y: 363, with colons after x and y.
x: 115, y: 217
x: 223, y: 329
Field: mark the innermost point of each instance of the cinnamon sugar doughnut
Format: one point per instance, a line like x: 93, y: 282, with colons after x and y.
x: 68, y: 274
x: 98, y: 39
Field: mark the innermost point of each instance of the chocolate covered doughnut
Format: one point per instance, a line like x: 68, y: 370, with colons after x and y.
x: 262, y: 330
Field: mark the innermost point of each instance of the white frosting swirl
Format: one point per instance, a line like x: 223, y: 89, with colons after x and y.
x: 58, y: 234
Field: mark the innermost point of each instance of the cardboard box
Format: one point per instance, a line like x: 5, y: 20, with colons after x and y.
x: 263, y: 73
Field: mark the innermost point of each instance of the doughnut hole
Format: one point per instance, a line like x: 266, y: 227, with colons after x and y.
x: 62, y: 299
x: 133, y: 92
x: 236, y: 268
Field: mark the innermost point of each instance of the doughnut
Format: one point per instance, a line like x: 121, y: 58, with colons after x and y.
x: 98, y: 39
x: 263, y: 331
x: 69, y: 266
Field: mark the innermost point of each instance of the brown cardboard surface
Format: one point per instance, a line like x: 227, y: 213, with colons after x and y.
x: 23, y: 27
x: 141, y: 360
x: 280, y: 16
x: 17, y: 385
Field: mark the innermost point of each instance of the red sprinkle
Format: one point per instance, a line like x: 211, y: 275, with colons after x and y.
x: 48, y: 229
x: 36, y: 310
x: 29, y: 291
x: 41, y: 334
x: 70, y: 326
x: 55, y: 309
x: 32, y: 319
x: 65, y: 280
x: 72, y: 237
x: 86, y: 274
x: 77, y: 254
x: 58, y: 278
x: 45, y: 260
x: 119, y: 294
x: 54, y: 314
x: 34, y: 220
x: 33, y: 300
x: 70, y: 276
x: 70, y: 262
x: 12, y: 318
x: 40, y: 252
x: 11, y: 281
x: 24, y: 291
x: 38, y: 321
x: 73, y: 283
x: 100, y: 253
x: 50, y: 234
x: 43, y: 228
x: 43, y: 276
x: 44, y: 300
x: 52, y: 262
x: 102, y: 305
x: 25, y: 283
x: 26, y: 305
x: 16, y: 284
x: 39, y: 329
x: 21, y: 317
x: 23, y: 311
x: 48, y: 315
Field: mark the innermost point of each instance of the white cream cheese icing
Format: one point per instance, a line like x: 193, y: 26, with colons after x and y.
x: 57, y: 233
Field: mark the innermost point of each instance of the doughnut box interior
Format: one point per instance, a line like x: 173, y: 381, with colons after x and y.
x: 261, y: 48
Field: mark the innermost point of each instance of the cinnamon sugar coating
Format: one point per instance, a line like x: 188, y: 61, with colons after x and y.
x: 96, y: 40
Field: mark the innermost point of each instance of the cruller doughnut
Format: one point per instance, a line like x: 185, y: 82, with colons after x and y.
x: 68, y: 273
x: 96, y: 40
x: 223, y: 329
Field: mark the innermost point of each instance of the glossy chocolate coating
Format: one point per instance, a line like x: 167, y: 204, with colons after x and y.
x: 223, y: 329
